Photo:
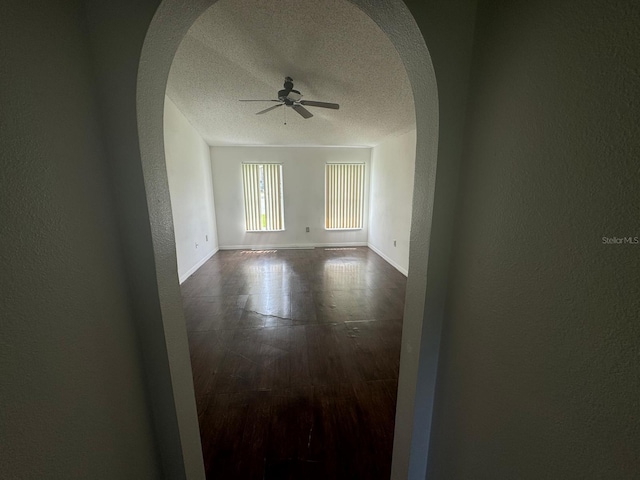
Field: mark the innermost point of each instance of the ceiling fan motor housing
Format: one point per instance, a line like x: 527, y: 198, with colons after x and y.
x: 283, y: 95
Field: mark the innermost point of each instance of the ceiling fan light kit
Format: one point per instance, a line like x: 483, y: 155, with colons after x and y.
x: 293, y: 99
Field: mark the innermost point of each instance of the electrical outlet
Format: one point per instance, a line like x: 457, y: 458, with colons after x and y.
x: 196, y: 245
x: 307, y: 229
x: 394, y: 243
x: 206, y: 238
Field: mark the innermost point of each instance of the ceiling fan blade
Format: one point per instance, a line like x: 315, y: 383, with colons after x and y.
x: 258, y: 100
x: 302, y: 111
x: 311, y: 103
x: 268, y: 109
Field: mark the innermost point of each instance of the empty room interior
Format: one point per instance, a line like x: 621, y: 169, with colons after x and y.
x: 463, y: 305
x: 290, y: 151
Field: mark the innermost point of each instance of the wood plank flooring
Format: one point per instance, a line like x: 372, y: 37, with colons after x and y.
x: 295, y: 357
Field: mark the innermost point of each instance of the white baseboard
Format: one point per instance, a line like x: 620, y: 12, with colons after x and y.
x: 293, y: 246
x: 403, y: 271
x: 193, y: 269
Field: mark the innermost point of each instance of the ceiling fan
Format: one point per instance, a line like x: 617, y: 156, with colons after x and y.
x: 292, y: 98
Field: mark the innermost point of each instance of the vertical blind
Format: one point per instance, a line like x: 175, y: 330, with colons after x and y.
x: 263, y: 196
x: 344, y: 195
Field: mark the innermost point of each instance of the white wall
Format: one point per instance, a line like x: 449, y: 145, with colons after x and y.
x: 190, y: 187
x: 117, y: 30
x: 539, y: 374
x: 392, y: 167
x: 73, y: 396
x: 303, y: 184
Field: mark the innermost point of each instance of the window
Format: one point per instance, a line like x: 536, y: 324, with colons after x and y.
x: 263, y: 206
x: 344, y: 196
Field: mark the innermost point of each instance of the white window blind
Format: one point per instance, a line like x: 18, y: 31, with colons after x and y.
x: 263, y: 206
x: 344, y: 196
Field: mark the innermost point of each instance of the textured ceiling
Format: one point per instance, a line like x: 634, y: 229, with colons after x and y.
x: 243, y: 49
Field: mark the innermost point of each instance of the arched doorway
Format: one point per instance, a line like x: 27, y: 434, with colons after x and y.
x: 418, y: 366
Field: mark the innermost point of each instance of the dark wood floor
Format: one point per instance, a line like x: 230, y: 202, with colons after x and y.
x: 295, y: 358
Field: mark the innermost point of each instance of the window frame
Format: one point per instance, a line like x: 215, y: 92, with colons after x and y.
x: 261, y: 200
x: 362, y: 199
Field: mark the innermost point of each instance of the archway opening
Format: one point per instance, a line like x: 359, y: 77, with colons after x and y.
x: 167, y: 30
